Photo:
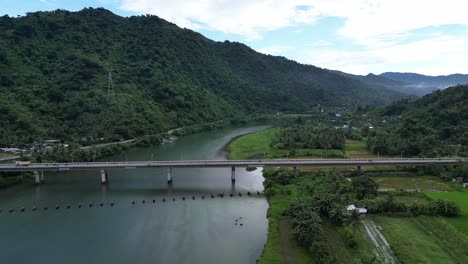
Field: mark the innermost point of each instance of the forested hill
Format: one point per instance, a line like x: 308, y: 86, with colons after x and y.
x: 436, y: 124
x: 54, y: 78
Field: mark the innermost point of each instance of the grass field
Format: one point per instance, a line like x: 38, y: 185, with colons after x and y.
x: 412, y: 183
x: 412, y: 242
x: 279, y: 248
x: 259, y: 144
x: 4, y: 155
x: 460, y: 198
x: 358, y: 149
x: 250, y: 145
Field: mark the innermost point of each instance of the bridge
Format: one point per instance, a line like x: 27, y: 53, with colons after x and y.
x: 40, y: 168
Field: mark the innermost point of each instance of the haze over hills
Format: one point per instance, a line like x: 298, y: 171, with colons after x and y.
x: 424, y: 82
x: 54, y: 77
x: 409, y: 83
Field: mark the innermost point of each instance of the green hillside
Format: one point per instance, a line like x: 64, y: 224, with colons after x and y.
x: 54, y: 69
x: 434, y: 125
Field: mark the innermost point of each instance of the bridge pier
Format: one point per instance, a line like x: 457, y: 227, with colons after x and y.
x: 233, y: 174
x: 104, y: 177
x: 41, y: 177
x: 169, y: 175
x: 37, y: 177
x: 295, y: 169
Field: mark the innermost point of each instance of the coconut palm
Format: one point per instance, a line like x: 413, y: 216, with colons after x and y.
x: 354, y: 219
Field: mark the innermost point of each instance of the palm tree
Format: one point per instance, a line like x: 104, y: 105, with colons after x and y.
x: 353, y: 220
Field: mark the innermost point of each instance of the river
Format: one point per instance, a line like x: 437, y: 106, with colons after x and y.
x: 183, y: 231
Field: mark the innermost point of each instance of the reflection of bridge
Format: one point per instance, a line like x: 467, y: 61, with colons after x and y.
x: 39, y: 168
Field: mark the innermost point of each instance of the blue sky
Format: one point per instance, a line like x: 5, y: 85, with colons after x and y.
x: 355, y: 36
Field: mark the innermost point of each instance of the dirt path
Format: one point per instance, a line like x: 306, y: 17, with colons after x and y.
x: 290, y: 254
x: 385, y: 253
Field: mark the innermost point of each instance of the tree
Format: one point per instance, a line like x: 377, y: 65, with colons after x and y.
x: 353, y: 220
x: 364, y: 187
x: 305, y: 222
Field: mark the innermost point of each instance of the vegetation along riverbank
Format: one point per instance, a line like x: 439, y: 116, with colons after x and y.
x: 309, y: 216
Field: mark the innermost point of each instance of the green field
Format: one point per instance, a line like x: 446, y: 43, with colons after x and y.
x: 259, y: 143
x: 460, y: 198
x: 281, y: 246
x: 358, y: 149
x: 4, y: 155
x: 412, y: 183
x: 250, y: 145
x: 422, y: 239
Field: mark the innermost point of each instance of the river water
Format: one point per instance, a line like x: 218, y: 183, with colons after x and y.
x: 183, y: 231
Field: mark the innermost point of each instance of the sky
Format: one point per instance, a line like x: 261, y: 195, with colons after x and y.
x: 355, y: 36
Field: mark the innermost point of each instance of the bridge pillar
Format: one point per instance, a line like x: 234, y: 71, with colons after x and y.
x: 41, y: 177
x: 169, y: 175
x: 104, y: 177
x: 360, y: 168
x: 233, y: 174
x: 295, y: 169
x: 37, y: 177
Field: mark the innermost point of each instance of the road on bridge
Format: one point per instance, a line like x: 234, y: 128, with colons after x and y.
x: 229, y: 163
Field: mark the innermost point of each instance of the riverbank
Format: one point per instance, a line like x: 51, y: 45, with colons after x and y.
x: 282, y: 245
x: 76, y: 153
x: 183, y: 211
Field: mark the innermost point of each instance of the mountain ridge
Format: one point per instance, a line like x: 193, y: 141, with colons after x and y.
x: 54, y: 70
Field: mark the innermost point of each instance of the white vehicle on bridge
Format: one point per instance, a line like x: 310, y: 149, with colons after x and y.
x: 22, y: 163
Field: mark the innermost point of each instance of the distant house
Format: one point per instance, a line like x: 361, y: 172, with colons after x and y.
x: 352, y: 207
x: 338, y: 115
x: 48, y: 149
x: 465, y: 185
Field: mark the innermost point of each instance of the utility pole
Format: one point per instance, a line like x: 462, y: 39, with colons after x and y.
x: 110, y: 86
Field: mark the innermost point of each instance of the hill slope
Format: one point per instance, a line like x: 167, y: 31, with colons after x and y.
x: 433, y: 125
x: 408, y: 83
x: 54, y: 76
x: 426, y: 84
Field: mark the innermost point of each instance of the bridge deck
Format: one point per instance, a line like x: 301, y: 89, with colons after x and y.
x: 228, y: 163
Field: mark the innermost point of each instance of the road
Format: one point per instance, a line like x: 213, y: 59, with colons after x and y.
x: 229, y: 163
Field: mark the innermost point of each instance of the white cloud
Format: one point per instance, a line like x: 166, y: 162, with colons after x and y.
x: 244, y: 17
x: 45, y: 2
x: 321, y: 43
x: 367, y: 21
x: 381, y: 29
x: 274, y: 50
x: 434, y: 56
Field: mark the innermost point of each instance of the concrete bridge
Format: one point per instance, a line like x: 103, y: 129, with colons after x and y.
x: 40, y: 168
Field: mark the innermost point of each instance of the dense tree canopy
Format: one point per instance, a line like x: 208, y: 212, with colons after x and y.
x: 54, y: 70
x: 435, y: 125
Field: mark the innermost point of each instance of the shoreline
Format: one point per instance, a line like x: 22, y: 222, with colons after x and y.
x: 226, y: 147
